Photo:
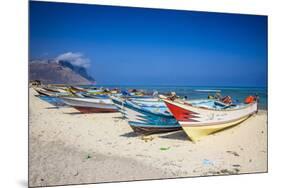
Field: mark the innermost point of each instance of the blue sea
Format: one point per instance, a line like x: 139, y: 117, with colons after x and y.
x: 238, y: 94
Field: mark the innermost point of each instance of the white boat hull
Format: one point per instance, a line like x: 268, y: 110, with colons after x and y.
x: 88, y: 105
x: 198, y: 122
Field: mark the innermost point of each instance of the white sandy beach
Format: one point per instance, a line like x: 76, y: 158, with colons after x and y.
x: 66, y: 147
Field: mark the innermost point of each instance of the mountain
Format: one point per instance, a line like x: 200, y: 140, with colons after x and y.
x: 58, y: 72
x: 77, y: 69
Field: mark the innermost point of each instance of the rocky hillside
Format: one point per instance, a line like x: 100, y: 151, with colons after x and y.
x: 58, y: 72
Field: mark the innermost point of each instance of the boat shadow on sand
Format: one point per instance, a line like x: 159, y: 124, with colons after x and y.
x: 52, y: 108
x: 130, y: 134
x: 119, y: 117
x: 75, y: 113
x: 178, y: 135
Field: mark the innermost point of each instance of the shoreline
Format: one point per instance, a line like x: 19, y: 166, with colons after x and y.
x: 110, y: 138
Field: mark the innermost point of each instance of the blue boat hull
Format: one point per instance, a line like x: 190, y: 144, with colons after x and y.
x: 146, y: 123
x: 142, y: 128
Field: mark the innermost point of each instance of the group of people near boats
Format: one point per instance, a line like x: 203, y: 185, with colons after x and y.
x: 156, y: 113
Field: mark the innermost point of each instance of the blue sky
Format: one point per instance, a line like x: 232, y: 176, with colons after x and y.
x: 139, y: 46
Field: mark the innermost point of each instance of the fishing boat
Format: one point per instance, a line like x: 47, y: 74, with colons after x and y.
x: 77, y: 89
x: 149, y: 102
x: 146, y: 123
x: 46, y: 93
x: 146, y: 99
x: 199, y: 120
x: 155, y: 108
x: 49, y: 93
x: 95, y: 91
x: 95, y: 96
x: 55, y: 101
x: 53, y: 89
x: 90, y: 105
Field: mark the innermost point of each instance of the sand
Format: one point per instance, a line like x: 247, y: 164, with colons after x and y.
x: 66, y: 147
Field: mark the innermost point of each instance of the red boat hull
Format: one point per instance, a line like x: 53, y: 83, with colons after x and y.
x: 181, y: 114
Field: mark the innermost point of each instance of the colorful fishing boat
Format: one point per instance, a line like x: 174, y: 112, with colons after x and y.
x: 50, y: 89
x: 95, y: 96
x: 50, y: 97
x: 46, y: 93
x: 55, y: 101
x: 153, y: 107
x: 49, y: 93
x: 199, y: 120
x: 53, y: 89
x: 146, y: 123
x: 146, y: 99
x: 150, y: 102
x: 90, y: 105
x: 77, y: 89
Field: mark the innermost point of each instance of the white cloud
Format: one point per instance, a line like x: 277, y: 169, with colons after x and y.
x: 77, y: 59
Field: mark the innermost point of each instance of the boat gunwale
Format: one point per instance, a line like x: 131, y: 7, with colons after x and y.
x: 206, y: 109
x: 131, y: 123
x: 189, y: 124
x: 90, y: 100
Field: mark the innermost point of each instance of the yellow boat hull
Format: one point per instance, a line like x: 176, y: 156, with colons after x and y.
x: 195, y: 133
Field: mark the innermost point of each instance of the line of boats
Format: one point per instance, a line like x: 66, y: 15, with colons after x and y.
x: 151, y: 114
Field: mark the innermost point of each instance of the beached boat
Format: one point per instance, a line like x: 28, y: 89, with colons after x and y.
x: 155, y: 108
x: 95, y: 96
x: 146, y: 123
x: 50, y: 89
x: 53, y: 89
x: 55, y: 101
x: 90, y: 105
x: 46, y: 93
x: 77, y: 89
x: 146, y: 99
x: 49, y: 93
x: 199, y: 121
x: 152, y: 102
